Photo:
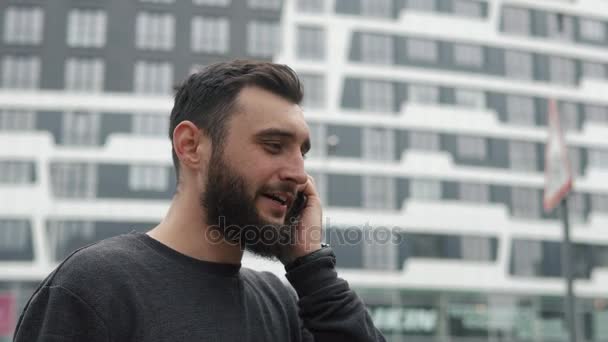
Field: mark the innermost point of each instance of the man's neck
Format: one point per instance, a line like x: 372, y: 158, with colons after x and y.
x: 184, y: 230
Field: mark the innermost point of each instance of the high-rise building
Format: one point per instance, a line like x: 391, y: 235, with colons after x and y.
x: 428, y: 123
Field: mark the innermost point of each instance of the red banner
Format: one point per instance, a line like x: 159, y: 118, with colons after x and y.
x: 7, y: 314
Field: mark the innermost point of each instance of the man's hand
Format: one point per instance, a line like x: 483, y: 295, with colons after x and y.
x: 308, y: 234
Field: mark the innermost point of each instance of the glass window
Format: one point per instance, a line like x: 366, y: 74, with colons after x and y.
x: 377, y: 8
x: 311, y: 6
x: 426, y: 141
x: 80, y: 129
x: 425, y: 189
x: 599, y: 203
x: 380, y: 253
x: 15, y: 172
x: 263, y: 38
x: 576, y: 207
x: 73, y: 180
x: 154, y: 31
x: 471, y: 147
x: 562, y: 70
x: 86, y: 28
x: 20, y: 72
x: 311, y: 43
x: 574, y: 156
x: 265, y: 4
x: 314, y: 91
x: 379, y: 192
x: 14, y: 236
x: 527, y: 257
x: 422, y: 50
x: 467, y: 8
x: 476, y: 248
x: 596, y: 114
x: 17, y: 120
x: 474, y: 192
x: 153, y: 78
x: 219, y: 3
x: 560, y: 27
x: 525, y: 202
x: 594, y: 70
x: 468, y: 55
x: 377, y: 96
x: 65, y: 236
x: 593, y: 30
x: 377, y: 48
x: 422, y: 5
x: 522, y: 156
x: 148, y: 178
x: 85, y: 75
x: 598, y: 159
x: 378, y: 144
x: 23, y: 25
x: 516, y: 20
x: 470, y: 98
x: 159, y: 1
x: 520, y: 110
x: 568, y: 116
x: 210, y: 35
x: 151, y: 124
x: 423, y: 94
x: 318, y: 140
x: 518, y: 65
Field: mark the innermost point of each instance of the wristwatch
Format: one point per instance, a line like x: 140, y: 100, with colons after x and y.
x: 325, y: 250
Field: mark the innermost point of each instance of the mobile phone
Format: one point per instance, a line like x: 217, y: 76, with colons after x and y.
x: 297, y: 207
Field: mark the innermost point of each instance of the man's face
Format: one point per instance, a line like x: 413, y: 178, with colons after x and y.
x: 252, y: 184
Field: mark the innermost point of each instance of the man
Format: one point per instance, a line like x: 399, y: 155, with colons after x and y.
x: 239, y: 140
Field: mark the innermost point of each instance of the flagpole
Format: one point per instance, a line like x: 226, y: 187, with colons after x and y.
x: 567, y: 272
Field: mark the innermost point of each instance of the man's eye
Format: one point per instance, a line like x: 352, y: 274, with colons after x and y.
x: 274, y: 147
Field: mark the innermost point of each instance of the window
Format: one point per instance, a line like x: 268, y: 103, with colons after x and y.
x: 379, y: 192
x: 378, y: 144
x: 421, y: 5
x: 311, y: 6
x: 527, y: 257
x: 474, y: 192
x: 14, y: 235
x: 522, y: 156
x: 518, y: 65
x: 598, y: 159
x: 318, y: 140
x: 152, y: 124
x: 596, y: 114
x: 154, y: 31
x: 377, y: 48
x: 377, y: 8
x: 380, y: 252
x: 20, y: 72
x: 159, y: 1
x: 592, y: 30
x: 311, y: 43
x: 423, y: 94
x: 520, y: 110
x: 574, y: 156
x: 470, y: 98
x: 265, y: 4
x: 219, y: 3
x: 23, y: 25
x: 468, y: 55
x: 568, y: 116
x: 560, y: 27
x: 148, y: 178
x: 153, y: 78
x: 426, y: 141
x: 467, y: 8
x: 86, y: 28
x: 84, y: 74
x: 471, y: 147
x: 422, y: 50
x: 15, y: 172
x: 314, y: 91
x: 516, y: 20
x: 525, y: 202
x: 594, y: 70
x: 576, y: 207
x: 377, y: 96
x: 80, y: 129
x: 562, y: 70
x: 210, y: 35
x: 425, y: 189
x: 17, y: 120
x: 263, y: 38
x: 61, y: 235
x: 599, y: 203
x: 73, y: 180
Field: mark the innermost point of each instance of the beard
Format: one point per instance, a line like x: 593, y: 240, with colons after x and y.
x: 233, y: 216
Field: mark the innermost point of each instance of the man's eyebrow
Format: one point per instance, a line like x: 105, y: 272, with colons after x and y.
x: 277, y: 132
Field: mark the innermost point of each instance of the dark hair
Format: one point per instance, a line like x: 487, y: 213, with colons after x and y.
x: 207, y: 97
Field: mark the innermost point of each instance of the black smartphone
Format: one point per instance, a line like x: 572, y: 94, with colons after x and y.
x: 296, y: 208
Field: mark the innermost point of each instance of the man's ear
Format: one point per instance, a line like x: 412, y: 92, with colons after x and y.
x: 191, y: 145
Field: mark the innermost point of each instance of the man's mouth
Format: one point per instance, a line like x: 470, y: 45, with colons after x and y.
x: 280, y: 197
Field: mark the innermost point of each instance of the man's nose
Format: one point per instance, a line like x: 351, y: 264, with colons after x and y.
x: 293, y: 171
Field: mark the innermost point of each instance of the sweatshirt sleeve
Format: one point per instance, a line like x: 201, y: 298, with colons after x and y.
x: 329, y: 309
x: 56, y: 314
